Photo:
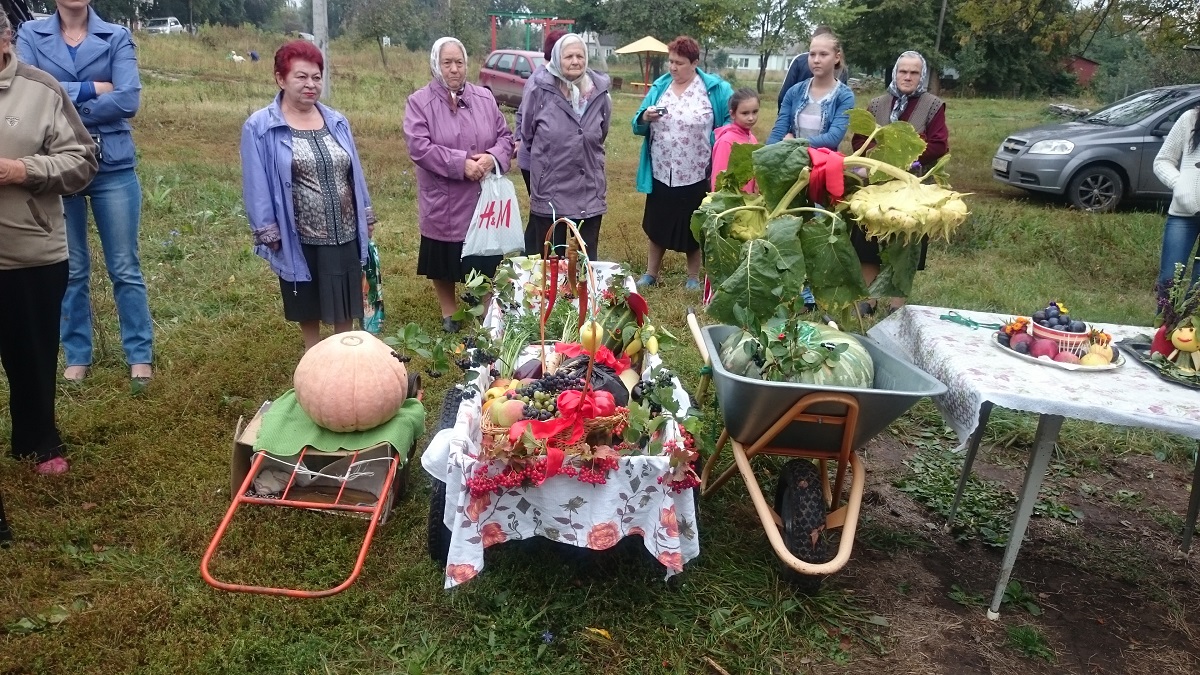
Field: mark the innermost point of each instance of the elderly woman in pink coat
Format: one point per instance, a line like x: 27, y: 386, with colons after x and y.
x: 456, y: 136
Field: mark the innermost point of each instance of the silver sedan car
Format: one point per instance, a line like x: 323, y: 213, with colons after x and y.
x: 1101, y: 159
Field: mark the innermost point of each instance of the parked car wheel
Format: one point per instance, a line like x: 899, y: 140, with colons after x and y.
x: 1096, y: 188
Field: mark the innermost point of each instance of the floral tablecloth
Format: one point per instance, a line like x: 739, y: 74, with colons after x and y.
x: 631, y: 502
x: 975, y: 370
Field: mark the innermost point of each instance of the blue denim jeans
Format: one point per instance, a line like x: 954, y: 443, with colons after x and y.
x: 1179, y: 240
x: 116, y: 201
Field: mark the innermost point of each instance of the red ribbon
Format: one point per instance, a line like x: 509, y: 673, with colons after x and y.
x: 603, y: 356
x: 826, y: 176
x: 574, y: 407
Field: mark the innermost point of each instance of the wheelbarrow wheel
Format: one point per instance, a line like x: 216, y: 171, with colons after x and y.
x: 438, y: 536
x: 800, y: 503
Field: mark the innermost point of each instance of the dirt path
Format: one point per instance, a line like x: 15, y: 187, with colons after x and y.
x: 1113, y: 595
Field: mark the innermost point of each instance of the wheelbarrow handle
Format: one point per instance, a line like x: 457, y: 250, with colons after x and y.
x: 694, y: 326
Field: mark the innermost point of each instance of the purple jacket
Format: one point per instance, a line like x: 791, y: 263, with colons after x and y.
x: 440, y: 138
x: 566, y: 158
x: 522, y: 147
x: 267, y: 186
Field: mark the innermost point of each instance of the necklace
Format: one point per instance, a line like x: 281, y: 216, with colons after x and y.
x: 78, y: 37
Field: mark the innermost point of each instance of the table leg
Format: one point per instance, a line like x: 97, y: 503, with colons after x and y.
x: 1189, y: 525
x: 1043, y: 447
x: 985, y: 413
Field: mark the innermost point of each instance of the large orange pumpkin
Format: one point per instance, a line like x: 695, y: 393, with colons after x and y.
x: 350, y: 382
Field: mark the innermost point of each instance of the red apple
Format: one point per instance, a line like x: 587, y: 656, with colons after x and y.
x: 1043, y: 347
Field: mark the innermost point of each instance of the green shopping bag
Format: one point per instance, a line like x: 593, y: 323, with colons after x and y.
x: 373, y: 314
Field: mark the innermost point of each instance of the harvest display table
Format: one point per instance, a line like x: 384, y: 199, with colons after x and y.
x: 977, y: 376
x: 632, y: 501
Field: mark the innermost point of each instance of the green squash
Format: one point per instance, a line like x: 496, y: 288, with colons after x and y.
x: 854, y: 367
x: 736, y: 358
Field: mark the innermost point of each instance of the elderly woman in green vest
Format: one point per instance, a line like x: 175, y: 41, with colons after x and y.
x: 677, y: 119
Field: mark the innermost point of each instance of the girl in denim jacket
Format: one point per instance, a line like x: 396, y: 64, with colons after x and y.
x: 818, y: 108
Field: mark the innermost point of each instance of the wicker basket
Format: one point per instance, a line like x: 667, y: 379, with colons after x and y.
x: 1076, y: 343
x: 591, y: 427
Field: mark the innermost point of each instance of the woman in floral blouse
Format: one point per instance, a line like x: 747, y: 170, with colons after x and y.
x: 677, y: 119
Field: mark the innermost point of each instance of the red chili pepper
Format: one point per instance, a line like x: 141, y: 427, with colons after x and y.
x: 552, y: 292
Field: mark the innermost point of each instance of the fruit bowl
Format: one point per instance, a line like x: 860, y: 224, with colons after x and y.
x: 1043, y: 361
x: 1067, y: 341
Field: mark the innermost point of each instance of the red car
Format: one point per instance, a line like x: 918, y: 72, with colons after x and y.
x: 505, y: 72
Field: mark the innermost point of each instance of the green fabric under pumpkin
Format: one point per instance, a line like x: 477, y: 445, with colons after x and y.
x: 286, y: 430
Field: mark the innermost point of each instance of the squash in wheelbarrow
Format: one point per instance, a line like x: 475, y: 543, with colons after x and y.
x: 853, y: 368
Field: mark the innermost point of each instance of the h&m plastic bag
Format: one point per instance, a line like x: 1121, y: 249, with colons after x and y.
x: 496, y: 227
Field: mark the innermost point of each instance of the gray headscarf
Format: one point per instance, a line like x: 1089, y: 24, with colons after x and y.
x: 901, y: 100
x: 579, y: 87
x: 435, y: 62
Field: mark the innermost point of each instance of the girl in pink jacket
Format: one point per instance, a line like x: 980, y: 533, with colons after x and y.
x: 743, y: 110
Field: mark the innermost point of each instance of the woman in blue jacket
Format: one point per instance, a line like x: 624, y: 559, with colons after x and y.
x: 95, y: 61
x: 818, y: 108
x: 306, y: 197
x: 677, y: 119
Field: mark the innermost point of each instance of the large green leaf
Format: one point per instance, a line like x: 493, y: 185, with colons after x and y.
x: 899, y: 266
x: 897, y: 144
x: 753, y: 290
x: 861, y: 122
x: 740, y: 169
x: 784, y: 234
x: 721, y: 254
x: 834, y: 272
x: 714, y: 203
x: 777, y: 167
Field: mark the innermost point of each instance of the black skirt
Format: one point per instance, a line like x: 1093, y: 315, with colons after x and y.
x: 867, y: 248
x: 335, y: 293
x: 667, y: 220
x: 443, y: 261
x: 535, y: 235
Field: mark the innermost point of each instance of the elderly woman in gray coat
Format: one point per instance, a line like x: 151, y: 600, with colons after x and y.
x: 564, y: 126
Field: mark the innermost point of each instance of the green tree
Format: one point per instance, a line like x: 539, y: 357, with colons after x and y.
x: 776, y: 24
x: 883, y: 29
x: 375, y: 19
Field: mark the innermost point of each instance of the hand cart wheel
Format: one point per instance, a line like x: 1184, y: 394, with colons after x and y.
x: 437, y: 532
x: 800, y: 503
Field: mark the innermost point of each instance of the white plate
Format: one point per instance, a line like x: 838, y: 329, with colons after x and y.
x: 1058, y: 364
x: 1000, y: 164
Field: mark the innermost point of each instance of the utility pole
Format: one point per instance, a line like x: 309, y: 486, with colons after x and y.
x: 321, y: 33
x: 937, y: 51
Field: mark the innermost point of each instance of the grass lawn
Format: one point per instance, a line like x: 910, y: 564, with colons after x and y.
x: 104, y: 574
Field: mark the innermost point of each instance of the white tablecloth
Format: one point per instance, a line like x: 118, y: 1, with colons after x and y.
x: 631, y: 502
x: 974, y: 370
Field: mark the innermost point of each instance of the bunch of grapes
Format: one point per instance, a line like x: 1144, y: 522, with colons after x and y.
x: 540, y: 396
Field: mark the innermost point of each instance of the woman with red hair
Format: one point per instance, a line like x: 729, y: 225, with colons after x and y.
x: 676, y: 121
x: 306, y: 197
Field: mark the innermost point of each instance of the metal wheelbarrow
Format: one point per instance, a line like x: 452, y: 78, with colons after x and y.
x: 804, y: 422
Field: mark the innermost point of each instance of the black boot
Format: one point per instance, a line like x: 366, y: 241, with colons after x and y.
x: 5, y: 533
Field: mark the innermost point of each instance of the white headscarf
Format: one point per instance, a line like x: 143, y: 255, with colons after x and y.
x: 579, y: 87
x: 901, y: 100
x: 435, y: 63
